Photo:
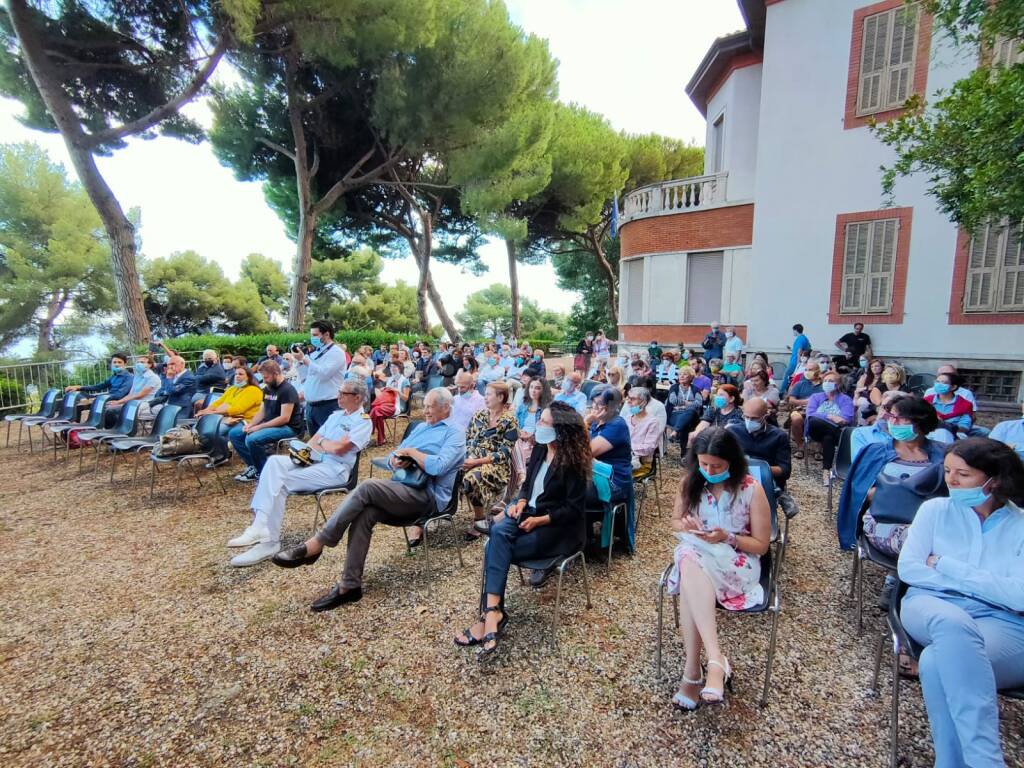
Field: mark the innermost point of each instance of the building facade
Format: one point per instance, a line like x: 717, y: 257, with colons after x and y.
x: 789, y: 224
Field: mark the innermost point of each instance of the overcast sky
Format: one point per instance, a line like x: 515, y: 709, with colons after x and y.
x: 627, y: 59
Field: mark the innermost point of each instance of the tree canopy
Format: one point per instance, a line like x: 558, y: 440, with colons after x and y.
x: 490, y: 310
x: 53, y: 256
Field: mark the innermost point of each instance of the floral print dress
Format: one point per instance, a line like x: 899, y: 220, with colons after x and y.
x: 735, y: 575
x: 482, y: 440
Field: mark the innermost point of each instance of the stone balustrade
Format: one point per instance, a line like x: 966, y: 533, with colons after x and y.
x: 677, y: 196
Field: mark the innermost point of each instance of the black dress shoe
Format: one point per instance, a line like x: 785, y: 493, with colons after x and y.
x: 295, y: 557
x: 336, y: 597
x: 540, y: 577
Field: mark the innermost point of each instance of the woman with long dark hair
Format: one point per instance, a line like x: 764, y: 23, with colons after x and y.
x: 546, y: 520
x: 723, y: 523
x: 963, y: 562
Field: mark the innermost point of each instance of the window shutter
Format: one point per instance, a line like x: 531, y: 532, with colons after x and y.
x: 1007, y: 51
x: 855, y: 261
x: 869, y: 267
x: 979, y: 294
x: 872, y: 62
x: 1012, y: 298
x: 901, y: 55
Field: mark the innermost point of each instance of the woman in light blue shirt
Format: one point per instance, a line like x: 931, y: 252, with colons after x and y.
x: 964, y: 562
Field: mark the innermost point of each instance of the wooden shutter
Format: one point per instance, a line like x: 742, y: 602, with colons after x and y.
x: 855, y: 260
x: 881, y: 265
x: 902, y: 45
x: 872, y: 62
x: 869, y: 266
x: 1007, y: 51
x: 1012, y: 278
x: 982, y: 265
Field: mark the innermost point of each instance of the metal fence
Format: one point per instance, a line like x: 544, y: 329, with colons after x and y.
x: 23, y: 384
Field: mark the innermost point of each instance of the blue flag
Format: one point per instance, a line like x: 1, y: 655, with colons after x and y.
x: 615, y: 215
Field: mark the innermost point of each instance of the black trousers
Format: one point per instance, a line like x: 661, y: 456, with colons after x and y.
x: 827, y: 433
x: 318, y: 413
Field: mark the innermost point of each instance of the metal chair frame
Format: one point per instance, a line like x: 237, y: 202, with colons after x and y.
x: 640, y: 485
x: 48, y: 405
x: 116, y: 446
x: 902, y: 642
x: 446, y: 515
x: 866, y: 552
x: 841, y: 466
x: 318, y: 494
x: 95, y: 421
x: 127, y: 425
x: 186, y: 459
x: 64, y: 414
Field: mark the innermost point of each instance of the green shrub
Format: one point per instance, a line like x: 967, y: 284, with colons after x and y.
x: 13, y: 397
x: 253, y: 346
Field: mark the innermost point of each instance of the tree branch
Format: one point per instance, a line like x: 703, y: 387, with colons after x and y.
x: 164, y: 111
x: 276, y: 147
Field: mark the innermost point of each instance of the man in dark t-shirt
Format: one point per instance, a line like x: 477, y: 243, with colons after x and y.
x: 279, y: 418
x: 854, y: 345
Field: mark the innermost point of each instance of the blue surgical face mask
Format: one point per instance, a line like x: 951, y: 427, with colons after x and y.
x: 544, y: 435
x: 721, y: 477
x: 116, y: 367
x: 902, y: 431
x: 970, y: 497
x: 863, y: 362
x: 316, y: 341
x: 753, y: 425
x: 720, y: 401
x: 635, y: 409
x: 941, y: 387
x: 140, y: 368
x: 828, y: 387
x: 536, y: 358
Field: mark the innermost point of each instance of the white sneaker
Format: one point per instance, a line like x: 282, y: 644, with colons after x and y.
x: 259, y: 553
x: 248, y: 537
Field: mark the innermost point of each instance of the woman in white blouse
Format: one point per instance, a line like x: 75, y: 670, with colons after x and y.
x: 964, y: 562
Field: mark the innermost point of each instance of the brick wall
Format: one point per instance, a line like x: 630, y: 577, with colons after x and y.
x: 921, y: 61
x: 694, y: 231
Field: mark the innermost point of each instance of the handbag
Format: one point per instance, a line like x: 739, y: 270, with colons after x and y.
x: 897, y: 499
x: 410, y: 475
x: 178, y: 441
x: 579, y: 362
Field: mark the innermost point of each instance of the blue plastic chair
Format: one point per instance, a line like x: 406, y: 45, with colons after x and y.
x: 116, y: 446
x: 47, y: 407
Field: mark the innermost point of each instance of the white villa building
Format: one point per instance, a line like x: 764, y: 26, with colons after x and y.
x: 789, y: 225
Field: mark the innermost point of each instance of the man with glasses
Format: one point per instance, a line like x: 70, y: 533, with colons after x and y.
x: 335, y: 446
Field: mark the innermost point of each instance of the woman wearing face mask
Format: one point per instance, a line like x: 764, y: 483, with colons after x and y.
x: 584, y: 350
x: 240, y: 402
x: 723, y: 523
x: 537, y: 397
x: 723, y: 410
x: 956, y: 411
x: 548, y: 518
x: 644, y: 431
x: 828, y: 412
x: 962, y: 560
x: 145, y: 385
x: 684, y: 405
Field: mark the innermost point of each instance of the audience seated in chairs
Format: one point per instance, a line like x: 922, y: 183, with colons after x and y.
x: 438, y: 448
x: 240, y: 402
x: 759, y: 385
x: 617, y: 378
x: 571, y: 394
x: 645, y: 431
x: 965, y: 604
x: 467, y: 403
x: 210, y: 375
x: 641, y: 376
x: 828, y: 412
x: 609, y: 442
x: 490, y: 441
x: 723, y: 410
x: 761, y: 440
x: 1010, y: 432
x: 537, y: 397
x: 909, y: 453
x: 547, y: 520
x: 145, y: 385
x: 177, y: 387
x: 722, y: 520
x: 557, y: 377
x: 955, y: 410
x: 279, y: 418
x: 867, y: 378
x: 800, y: 394
x: 392, y: 398
x: 117, y: 385
x: 337, y: 445
x: 684, y: 405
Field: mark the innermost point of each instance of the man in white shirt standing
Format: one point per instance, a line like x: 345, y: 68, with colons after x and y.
x: 322, y: 373
x: 733, y: 343
x: 467, y: 401
x: 338, y: 443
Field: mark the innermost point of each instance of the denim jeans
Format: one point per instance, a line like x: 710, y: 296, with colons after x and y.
x: 253, y: 448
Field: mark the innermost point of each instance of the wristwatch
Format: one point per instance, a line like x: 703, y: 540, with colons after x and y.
x: 731, y: 539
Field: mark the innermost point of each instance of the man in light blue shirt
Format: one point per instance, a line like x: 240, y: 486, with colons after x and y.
x: 336, y: 447
x: 571, y: 393
x: 436, y: 446
x: 322, y: 373
x: 1012, y: 433
x: 733, y: 343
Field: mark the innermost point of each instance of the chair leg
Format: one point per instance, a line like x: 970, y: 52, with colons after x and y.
x: 659, y: 636
x: 586, y: 580
x: 831, y: 482
x: 878, y: 663
x: 853, y: 575
x: 771, y: 655
x: 152, y: 478
x: 894, y: 715
x: 113, y: 464
x: 860, y: 598
x: 220, y: 482
x: 558, y: 605
x: 657, y: 491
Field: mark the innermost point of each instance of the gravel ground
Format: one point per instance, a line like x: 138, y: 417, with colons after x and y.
x: 127, y: 640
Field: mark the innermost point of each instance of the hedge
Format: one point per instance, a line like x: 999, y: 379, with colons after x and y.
x: 254, y: 346
x: 12, y: 393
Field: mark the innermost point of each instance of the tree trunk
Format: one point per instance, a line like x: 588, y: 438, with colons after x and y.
x: 304, y: 189
x: 300, y: 272
x: 609, y: 274
x: 423, y: 263
x: 120, y: 231
x: 442, y: 313
x: 54, y: 307
x: 513, y: 282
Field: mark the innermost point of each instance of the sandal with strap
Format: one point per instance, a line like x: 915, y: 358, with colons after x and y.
x: 487, y: 653
x: 685, y: 703
x: 717, y: 695
x: 466, y: 639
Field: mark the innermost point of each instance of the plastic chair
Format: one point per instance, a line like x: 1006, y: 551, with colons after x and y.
x: 778, y: 372
x: 919, y: 383
x: 866, y: 552
x: 319, y: 493
x: 95, y: 421
x: 115, y: 446
x: 47, y: 407
x: 587, y: 388
x: 771, y: 570
x: 841, y: 466
x: 641, y: 483
x: 127, y: 425
x: 207, y: 427
x: 903, y: 643
x: 65, y: 415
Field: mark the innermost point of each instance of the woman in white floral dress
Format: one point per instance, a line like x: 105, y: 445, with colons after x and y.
x: 723, y: 523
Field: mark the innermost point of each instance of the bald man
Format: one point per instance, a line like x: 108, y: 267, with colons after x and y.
x: 177, y: 385
x: 761, y: 440
x: 467, y: 400
x: 571, y: 393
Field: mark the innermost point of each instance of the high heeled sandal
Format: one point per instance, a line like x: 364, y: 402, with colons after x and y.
x: 485, y: 653
x: 685, y: 703
x: 717, y: 695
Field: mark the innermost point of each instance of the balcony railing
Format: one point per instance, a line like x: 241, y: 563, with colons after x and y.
x: 676, y: 196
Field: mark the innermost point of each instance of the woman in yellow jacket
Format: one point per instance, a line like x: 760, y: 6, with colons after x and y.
x: 240, y: 402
